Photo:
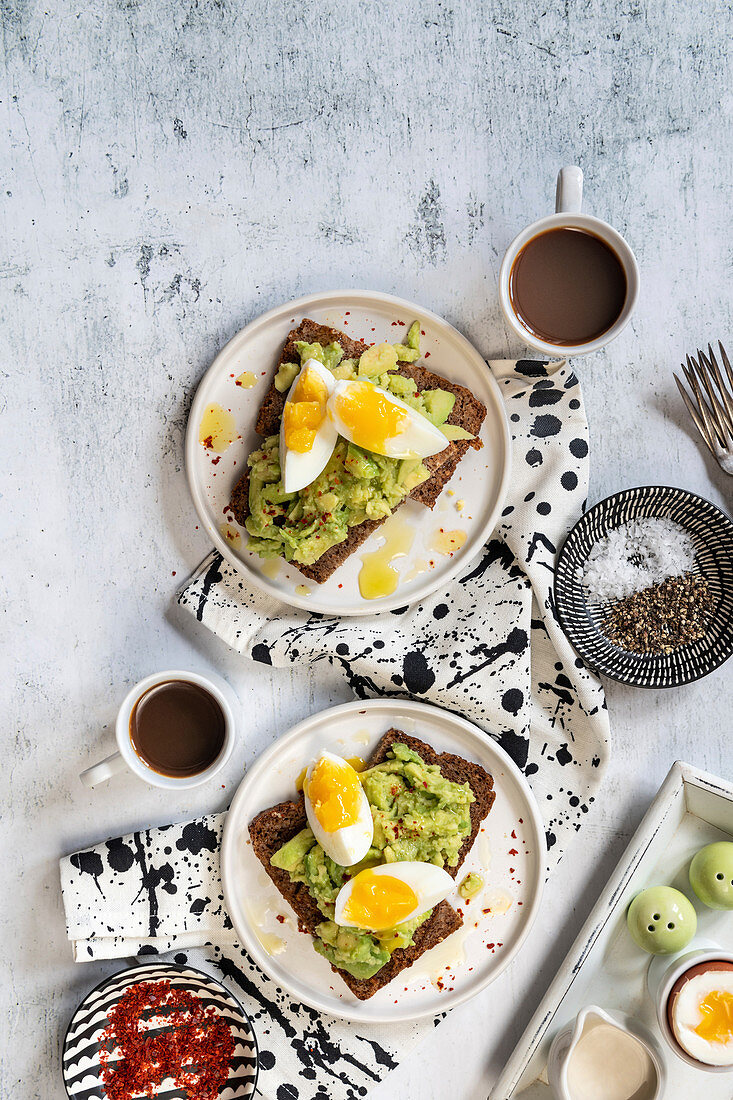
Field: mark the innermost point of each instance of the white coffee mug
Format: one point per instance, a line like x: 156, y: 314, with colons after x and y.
x: 568, y: 201
x: 126, y: 757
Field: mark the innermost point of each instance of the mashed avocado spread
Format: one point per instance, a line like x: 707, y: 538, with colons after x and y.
x: 418, y: 815
x: 356, y: 485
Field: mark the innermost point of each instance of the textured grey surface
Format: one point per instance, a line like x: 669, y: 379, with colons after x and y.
x: 170, y: 170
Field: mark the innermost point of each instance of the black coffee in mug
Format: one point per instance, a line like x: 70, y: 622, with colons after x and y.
x: 177, y: 728
x: 567, y: 286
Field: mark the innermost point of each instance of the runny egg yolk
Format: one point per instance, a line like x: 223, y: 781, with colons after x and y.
x: 334, y: 792
x: 370, y: 416
x: 379, y: 902
x: 305, y: 411
x: 716, y: 1025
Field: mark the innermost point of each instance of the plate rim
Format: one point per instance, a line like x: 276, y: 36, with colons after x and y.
x: 262, y: 761
x: 567, y: 627
x: 162, y: 964
x: 263, y: 583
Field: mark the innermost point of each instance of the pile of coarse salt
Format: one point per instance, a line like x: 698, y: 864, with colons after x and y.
x: 634, y: 556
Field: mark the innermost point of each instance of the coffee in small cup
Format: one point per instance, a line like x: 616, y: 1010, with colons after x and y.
x: 177, y: 728
x: 567, y: 286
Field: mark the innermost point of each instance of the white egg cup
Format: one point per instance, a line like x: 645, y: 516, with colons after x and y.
x: 664, y: 970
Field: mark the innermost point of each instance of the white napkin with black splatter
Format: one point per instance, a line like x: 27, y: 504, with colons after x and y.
x: 159, y: 891
x: 490, y: 647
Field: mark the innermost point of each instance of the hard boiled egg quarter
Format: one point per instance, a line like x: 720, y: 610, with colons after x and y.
x: 307, y: 435
x: 383, y: 897
x: 337, y: 809
x: 374, y: 419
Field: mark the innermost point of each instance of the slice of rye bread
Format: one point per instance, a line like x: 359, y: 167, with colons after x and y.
x: 274, y: 827
x: 468, y: 412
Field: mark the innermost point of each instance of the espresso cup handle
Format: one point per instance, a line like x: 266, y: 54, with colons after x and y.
x: 569, y: 192
x: 104, y: 770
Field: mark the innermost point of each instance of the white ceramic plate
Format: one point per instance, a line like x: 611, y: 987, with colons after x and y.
x: 481, y: 480
x: 509, y: 853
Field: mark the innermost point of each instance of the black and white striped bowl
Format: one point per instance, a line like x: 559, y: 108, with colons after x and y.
x: 80, y: 1059
x: 712, y: 533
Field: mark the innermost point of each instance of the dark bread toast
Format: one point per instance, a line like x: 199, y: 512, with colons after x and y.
x: 274, y: 827
x: 468, y: 412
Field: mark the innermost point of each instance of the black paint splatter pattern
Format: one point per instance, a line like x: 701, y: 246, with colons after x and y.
x: 490, y: 647
x: 110, y: 892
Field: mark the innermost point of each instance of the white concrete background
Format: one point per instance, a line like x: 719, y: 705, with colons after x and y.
x: 169, y: 171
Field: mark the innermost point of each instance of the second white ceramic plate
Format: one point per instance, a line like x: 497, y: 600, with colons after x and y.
x: 509, y: 853
x: 480, y: 481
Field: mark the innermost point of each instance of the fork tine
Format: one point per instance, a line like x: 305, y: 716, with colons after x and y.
x: 705, y: 412
x: 726, y: 364
x: 727, y: 398
x: 723, y: 425
x: 701, y: 427
x: 717, y: 410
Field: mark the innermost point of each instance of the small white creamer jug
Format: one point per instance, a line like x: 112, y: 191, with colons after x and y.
x: 605, y: 1056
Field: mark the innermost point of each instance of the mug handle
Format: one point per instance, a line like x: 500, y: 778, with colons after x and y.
x: 569, y: 191
x: 104, y: 770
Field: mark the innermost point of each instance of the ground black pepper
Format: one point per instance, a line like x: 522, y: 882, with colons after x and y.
x: 662, y: 618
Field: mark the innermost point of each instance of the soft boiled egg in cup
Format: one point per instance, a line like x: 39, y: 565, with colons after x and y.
x: 383, y: 897
x: 694, y: 1001
x: 337, y: 809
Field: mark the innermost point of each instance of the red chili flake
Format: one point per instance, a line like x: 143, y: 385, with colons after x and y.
x: 281, y: 918
x: 173, y: 573
x: 424, y: 783
x: 521, y: 821
x: 209, y: 442
x: 513, y: 852
x: 427, y: 354
x: 193, y: 1047
x: 341, y: 586
x: 422, y: 331
x: 511, y: 870
x: 216, y: 461
x: 514, y: 835
x: 490, y: 946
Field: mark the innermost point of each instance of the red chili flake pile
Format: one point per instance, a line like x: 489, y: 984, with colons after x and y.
x: 188, y: 1044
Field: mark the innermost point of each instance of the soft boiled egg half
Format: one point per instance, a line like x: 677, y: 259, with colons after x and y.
x: 700, y: 1012
x: 337, y: 809
x: 383, y: 897
x: 374, y: 419
x: 307, y: 435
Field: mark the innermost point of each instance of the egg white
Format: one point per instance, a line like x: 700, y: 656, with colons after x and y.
x: 420, y: 438
x: 300, y: 468
x: 345, y: 846
x: 686, y: 1017
x: 430, y: 883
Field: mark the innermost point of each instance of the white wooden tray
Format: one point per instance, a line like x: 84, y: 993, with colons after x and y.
x: 604, y: 967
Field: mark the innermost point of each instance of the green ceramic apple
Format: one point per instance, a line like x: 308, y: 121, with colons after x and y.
x: 711, y: 875
x: 661, y: 920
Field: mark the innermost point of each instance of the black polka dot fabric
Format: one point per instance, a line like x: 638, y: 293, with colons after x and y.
x: 490, y: 647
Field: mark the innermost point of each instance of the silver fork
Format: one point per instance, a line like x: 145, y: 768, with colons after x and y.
x: 711, y: 411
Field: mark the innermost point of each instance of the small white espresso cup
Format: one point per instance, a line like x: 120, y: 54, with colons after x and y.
x: 126, y: 757
x: 568, y: 201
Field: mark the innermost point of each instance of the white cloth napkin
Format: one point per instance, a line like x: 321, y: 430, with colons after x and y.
x: 489, y: 647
